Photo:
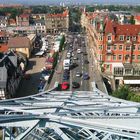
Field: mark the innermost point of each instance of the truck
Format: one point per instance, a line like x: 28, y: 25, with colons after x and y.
x: 66, y: 64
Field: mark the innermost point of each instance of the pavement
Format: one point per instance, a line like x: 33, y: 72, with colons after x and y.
x: 29, y: 86
x: 94, y: 71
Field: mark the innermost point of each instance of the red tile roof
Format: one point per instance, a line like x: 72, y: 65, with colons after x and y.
x: 19, y: 42
x: 64, y: 14
x: 24, y: 16
x: 109, y: 27
x: 128, y: 29
x: 137, y: 17
x: 3, y: 47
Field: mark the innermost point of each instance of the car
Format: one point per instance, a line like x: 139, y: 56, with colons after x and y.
x: 78, y: 74
x: 64, y: 85
x: 75, y: 58
x: 75, y: 85
x: 65, y: 77
x: 78, y: 50
x: 73, y: 65
x: 40, y: 53
x: 85, y: 53
x: 85, y: 76
x: 86, y: 62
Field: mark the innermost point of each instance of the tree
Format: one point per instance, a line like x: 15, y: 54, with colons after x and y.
x: 132, y: 21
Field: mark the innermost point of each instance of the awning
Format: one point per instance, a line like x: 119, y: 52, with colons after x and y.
x: 131, y: 82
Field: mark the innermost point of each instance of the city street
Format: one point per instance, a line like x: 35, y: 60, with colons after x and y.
x: 76, y: 42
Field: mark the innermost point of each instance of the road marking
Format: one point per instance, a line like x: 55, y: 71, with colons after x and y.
x: 81, y: 82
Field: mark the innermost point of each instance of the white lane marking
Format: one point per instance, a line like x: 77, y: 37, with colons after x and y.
x: 81, y: 82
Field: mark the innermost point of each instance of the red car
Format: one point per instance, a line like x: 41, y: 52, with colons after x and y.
x: 64, y: 85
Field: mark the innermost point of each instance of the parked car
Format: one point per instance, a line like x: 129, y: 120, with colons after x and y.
x: 73, y: 65
x: 85, y: 76
x: 75, y: 85
x: 40, y: 53
x: 64, y: 85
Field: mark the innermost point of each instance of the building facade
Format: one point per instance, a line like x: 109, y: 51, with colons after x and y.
x: 117, y: 46
x: 3, y: 21
x: 10, y: 75
x: 56, y: 23
x: 22, y: 20
x: 23, y: 44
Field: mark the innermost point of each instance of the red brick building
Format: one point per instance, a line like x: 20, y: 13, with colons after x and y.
x: 116, y: 47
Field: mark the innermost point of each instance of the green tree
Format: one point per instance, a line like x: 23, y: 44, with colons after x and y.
x: 132, y: 21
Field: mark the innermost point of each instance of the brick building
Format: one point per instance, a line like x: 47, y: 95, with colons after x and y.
x: 117, y: 46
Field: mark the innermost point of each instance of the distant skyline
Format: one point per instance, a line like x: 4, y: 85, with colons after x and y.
x: 68, y: 2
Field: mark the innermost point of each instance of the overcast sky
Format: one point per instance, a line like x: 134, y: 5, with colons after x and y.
x: 30, y: 2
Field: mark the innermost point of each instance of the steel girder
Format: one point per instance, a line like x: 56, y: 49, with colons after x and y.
x: 67, y: 115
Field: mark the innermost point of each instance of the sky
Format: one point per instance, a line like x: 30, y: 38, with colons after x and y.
x: 37, y: 2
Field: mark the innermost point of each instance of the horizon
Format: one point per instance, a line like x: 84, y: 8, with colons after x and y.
x: 68, y: 2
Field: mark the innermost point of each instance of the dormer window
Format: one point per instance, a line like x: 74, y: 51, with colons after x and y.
x: 121, y: 37
x: 128, y: 38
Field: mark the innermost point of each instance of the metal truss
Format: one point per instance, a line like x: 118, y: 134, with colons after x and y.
x: 79, y: 115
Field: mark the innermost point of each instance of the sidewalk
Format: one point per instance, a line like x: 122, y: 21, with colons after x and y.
x: 93, y: 70
x: 58, y: 71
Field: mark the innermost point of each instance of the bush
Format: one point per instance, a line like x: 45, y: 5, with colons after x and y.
x: 124, y: 92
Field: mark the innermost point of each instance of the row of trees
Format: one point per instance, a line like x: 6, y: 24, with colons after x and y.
x: 113, y: 8
x: 124, y: 92
x: 46, y: 9
x: 13, y: 11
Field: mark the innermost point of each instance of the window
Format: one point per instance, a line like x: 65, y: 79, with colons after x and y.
x: 120, y: 47
x: 108, y: 66
x: 128, y: 71
x: 100, y: 38
x: 118, y: 71
x: 134, y: 47
x: 109, y: 38
x: 115, y: 47
x: 120, y: 57
x: 133, y: 57
x: 108, y: 47
x: 138, y: 57
x: 126, y: 57
x: 128, y: 38
x: 127, y: 48
x: 100, y: 47
x: 121, y: 37
x: 108, y: 57
x: 100, y: 58
x: 114, y: 57
x: 134, y: 38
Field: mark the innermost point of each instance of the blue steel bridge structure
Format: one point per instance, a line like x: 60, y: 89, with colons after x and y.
x: 67, y: 115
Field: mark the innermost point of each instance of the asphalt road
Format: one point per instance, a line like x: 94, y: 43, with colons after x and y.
x: 78, y: 42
